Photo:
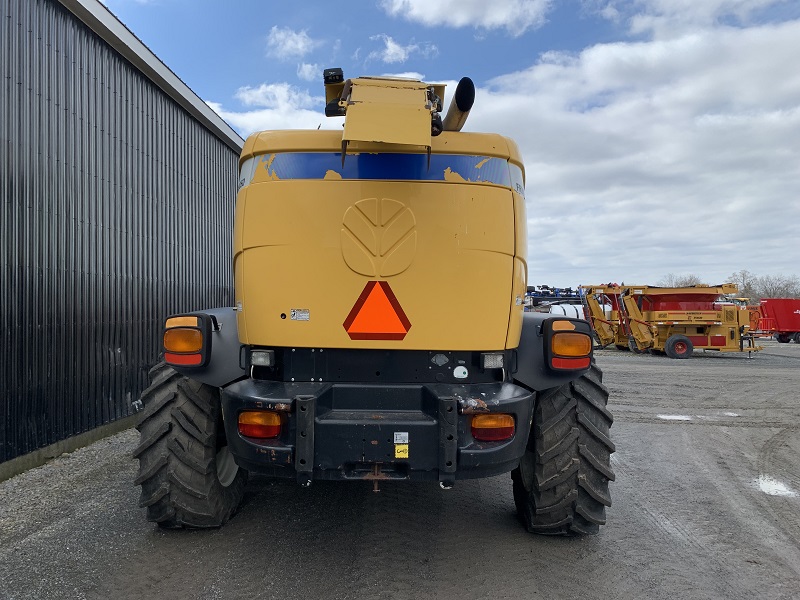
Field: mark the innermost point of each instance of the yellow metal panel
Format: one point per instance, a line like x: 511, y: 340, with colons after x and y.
x: 239, y: 219
x: 521, y: 232
x: 388, y: 111
x: 387, y: 91
x: 407, y: 125
x: 518, y: 289
x: 240, y: 301
x: 454, y: 282
x: 448, y: 142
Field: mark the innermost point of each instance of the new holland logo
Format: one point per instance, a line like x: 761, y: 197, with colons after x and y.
x: 377, y: 315
x: 379, y: 239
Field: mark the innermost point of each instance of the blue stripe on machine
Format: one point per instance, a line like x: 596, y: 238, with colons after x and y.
x: 405, y: 167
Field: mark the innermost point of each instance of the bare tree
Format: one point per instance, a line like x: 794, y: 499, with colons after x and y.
x: 746, y: 281
x: 778, y: 286
x: 672, y: 280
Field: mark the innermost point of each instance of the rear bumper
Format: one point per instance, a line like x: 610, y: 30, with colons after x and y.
x: 410, y: 432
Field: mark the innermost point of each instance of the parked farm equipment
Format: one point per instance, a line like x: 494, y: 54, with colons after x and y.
x: 671, y: 321
x: 781, y: 318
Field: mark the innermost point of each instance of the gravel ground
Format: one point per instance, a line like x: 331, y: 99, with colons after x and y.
x: 706, y: 505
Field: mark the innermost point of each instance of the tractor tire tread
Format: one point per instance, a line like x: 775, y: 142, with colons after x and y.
x: 178, y: 452
x: 563, y: 486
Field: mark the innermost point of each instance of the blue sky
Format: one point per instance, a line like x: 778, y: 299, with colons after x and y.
x: 659, y: 136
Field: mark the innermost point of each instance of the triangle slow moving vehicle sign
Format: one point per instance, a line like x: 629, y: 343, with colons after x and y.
x: 377, y: 315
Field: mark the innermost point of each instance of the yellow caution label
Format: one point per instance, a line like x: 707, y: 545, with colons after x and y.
x: 401, y: 450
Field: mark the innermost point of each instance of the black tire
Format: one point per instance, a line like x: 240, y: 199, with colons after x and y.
x: 678, y: 346
x: 187, y: 475
x: 561, y: 484
x: 797, y: 338
x: 783, y: 338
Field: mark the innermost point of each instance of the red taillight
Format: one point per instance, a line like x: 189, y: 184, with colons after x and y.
x: 492, y: 427
x: 183, y: 360
x: 571, y: 363
x: 260, y: 424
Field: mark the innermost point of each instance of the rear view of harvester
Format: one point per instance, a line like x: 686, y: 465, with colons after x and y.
x: 378, y: 333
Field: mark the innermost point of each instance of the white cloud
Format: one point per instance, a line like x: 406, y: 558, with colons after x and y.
x: 672, y: 18
x: 308, y: 72
x: 515, y: 16
x: 276, y: 96
x: 394, y: 52
x: 280, y: 116
x: 646, y: 158
x: 406, y: 75
x: 285, y: 44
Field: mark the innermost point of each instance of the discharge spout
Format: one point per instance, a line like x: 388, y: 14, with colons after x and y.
x: 460, y: 106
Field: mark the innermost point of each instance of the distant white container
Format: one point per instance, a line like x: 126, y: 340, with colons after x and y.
x: 574, y: 311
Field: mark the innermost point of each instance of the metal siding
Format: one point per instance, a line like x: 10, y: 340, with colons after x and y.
x: 117, y: 210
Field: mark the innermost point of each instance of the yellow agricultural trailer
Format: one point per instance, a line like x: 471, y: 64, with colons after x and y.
x: 671, y: 321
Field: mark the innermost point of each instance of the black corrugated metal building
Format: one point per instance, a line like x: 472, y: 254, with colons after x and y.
x: 117, y: 188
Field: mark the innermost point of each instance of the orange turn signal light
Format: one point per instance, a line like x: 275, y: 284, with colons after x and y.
x: 492, y: 427
x: 183, y: 340
x: 261, y: 424
x: 182, y: 321
x: 569, y: 344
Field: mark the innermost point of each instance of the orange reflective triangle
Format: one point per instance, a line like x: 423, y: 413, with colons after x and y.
x: 377, y: 315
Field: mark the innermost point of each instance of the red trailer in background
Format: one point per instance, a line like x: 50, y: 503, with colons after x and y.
x: 781, y: 316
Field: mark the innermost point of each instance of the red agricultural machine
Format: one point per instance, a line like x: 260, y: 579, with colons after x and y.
x: 781, y: 318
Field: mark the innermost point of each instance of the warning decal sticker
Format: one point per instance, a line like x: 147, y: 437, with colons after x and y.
x: 377, y: 315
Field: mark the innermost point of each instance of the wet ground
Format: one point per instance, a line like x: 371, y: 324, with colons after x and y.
x: 706, y: 505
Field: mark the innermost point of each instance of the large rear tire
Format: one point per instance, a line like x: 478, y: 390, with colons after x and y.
x: 561, y: 484
x: 783, y: 338
x: 187, y: 474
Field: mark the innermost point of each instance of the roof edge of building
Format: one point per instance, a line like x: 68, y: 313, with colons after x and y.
x: 103, y: 22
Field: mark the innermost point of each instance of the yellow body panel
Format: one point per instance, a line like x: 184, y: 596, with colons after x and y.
x: 450, y: 262
x: 389, y: 111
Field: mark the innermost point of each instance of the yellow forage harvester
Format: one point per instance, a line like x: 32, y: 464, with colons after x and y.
x: 379, y: 330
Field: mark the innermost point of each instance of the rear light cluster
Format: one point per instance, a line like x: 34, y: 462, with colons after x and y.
x: 568, y: 344
x: 187, y: 340
x: 492, y: 427
x: 260, y: 424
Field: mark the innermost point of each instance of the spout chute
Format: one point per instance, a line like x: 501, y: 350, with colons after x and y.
x: 460, y: 106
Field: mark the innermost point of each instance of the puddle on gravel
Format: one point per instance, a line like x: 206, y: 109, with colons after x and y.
x: 675, y: 417
x: 773, y: 487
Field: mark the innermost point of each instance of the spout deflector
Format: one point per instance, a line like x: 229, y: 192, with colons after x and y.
x: 460, y: 105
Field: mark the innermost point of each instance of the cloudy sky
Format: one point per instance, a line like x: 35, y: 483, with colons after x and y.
x: 659, y: 136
